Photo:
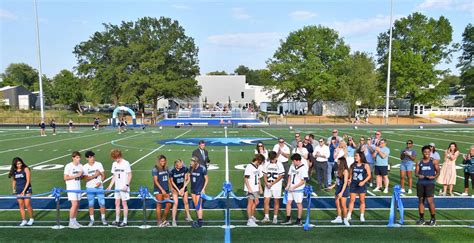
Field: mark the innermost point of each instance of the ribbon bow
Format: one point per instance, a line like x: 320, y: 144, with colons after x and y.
x: 143, y: 192
x: 308, y: 190
x: 56, y: 192
x: 396, y: 198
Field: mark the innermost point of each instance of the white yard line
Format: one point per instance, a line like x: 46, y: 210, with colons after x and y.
x: 62, y: 156
x: 55, y: 141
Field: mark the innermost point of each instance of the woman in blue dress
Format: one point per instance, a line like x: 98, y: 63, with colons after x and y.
x: 21, y: 184
x: 342, y: 191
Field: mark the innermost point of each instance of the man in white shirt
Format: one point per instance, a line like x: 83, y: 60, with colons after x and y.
x: 273, y: 173
x: 72, y: 177
x: 283, y: 152
x: 298, y: 175
x: 94, y: 175
x: 122, y: 176
x: 252, y: 187
x: 321, y: 153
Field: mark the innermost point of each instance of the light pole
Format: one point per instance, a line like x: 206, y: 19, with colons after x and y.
x: 387, y: 96
x: 40, y: 73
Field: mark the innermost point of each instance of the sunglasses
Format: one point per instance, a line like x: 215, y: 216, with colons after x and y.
x: 334, y: 132
x: 409, y: 143
x: 321, y: 141
x: 259, y: 145
x: 378, y: 134
x: 281, y: 141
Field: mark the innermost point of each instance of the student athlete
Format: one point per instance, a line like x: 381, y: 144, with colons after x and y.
x: 72, y: 175
x: 42, y: 126
x: 94, y: 176
x: 360, y: 175
x: 96, y: 124
x: 427, y: 170
x: 199, y: 180
x: 297, y: 177
x: 71, y: 125
x: 252, y: 187
x: 21, y: 183
x: 122, y: 176
x: 53, y: 126
x: 179, y: 187
x: 161, y: 189
x: 273, y: 173
x: 342, y: 191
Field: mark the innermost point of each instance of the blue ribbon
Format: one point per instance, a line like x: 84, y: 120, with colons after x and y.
x: 396, y: 198
x: 56, y: 192
x: 285, y: 194
x: 308, y: 190
x: 143, y: 192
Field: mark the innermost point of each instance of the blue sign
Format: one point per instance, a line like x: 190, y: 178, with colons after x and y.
x: 214, y: 141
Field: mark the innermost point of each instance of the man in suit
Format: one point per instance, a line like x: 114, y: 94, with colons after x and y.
x: 202, y: 154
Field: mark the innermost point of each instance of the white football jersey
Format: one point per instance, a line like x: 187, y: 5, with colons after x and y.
x: 71, y: 170
x: 252, y: 173
x: 297, y: 174
x: 273, y: 171
x: 90, y: 170
x: 120, y: 171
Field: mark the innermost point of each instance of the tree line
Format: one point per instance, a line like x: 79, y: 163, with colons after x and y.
x: 153, y: 58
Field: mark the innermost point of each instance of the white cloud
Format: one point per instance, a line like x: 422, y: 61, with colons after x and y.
x: 302, y: 15
x: 4, y: 14
x: 247, y: 40
x: 180, y: 6
x: 458, y: 5
x: 240, y: 14
x: 436, y: 4
x: 360, y: 26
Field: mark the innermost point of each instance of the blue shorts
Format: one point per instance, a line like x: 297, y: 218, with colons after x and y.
x: 344, y: 194
x: 406, y: 166
x: 92, y: 193
x: 20, y: 190
x: 355, y: 188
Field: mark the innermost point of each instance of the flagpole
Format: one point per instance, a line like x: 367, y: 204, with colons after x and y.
x: 387, y: 101
x: 40, y: 73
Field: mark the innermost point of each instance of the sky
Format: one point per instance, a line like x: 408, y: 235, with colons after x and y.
x: 228, y: 33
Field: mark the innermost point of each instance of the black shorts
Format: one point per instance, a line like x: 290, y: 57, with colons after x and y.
x: 19, y: 190
x: 425, y: 190
x: 381, y: 170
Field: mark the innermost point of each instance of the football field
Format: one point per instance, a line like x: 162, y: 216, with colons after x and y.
x: 230, y: 150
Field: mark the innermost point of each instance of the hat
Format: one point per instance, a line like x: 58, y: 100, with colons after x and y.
x: 432, y: 145
x: 89, y: 154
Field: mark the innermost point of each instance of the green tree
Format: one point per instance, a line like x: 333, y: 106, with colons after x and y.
x: 466, y: 64
x: 20, y: 74
x: 217, y: 73
x: 148, y: 59
x: 419, y: 44
x: 357, y: 82
x: 303, y: 66
x: 254, y: 77
x: 68, y: 90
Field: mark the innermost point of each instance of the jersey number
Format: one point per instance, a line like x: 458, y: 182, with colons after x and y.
x: 358, y: 176
x: 293, y: 181
x: 194, y: 179
x: 271, y: 176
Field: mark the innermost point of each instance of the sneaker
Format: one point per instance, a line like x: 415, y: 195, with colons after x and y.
x: 30, y: 222
x: 362, y: 218
x: 123, y: 224
x: 91, y: 223
x: 265, y: 220
x: 402, y: 190
x: 299, y: 222
x: 115, y: 223
x: 254, y: 219
x: 288, y: 222
x: 385, y: 191
x: 164, y: 224
x: 346, y: 222
x: 275, y: 220
x: 464, y: 194
x: 432, y: 222
x: 196, y: 224
x: 73, y: 226
x: 23, y: 223
x: 78, y: 224
x: 377, y: 189
x: 104, y: 222
x: 173, y: 223
x: 251, y: 223
x: 337, y: 220
x: 189, y: 219
x: 420, y: 222
x: 410, y: 191
x: 349, y: 217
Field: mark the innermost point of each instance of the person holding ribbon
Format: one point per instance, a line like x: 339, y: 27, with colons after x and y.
x: 199, y: 180
x: 252, y: 187
x: 72, y: 176
x: 122, y: 176
x: 179, y: 185
x: 161, y: 189
x: 427, y: 170
x: 21, y: 183
x: 342, y: 191
x: 360, y: 175
x: 297, y: 177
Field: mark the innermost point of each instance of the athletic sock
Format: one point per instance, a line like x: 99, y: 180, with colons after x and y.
x: 275, y: 216
x: 433, y: 216
x: 102, y: 216
x: 91, y: 217
x: 267, y: 216
x: 348, y: 215
x: 117, y: 218
x: 422, y: 215
x: 125, y: 219
x: 288, y: 218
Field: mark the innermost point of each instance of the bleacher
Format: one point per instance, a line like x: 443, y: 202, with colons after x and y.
x: 202, y: 117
